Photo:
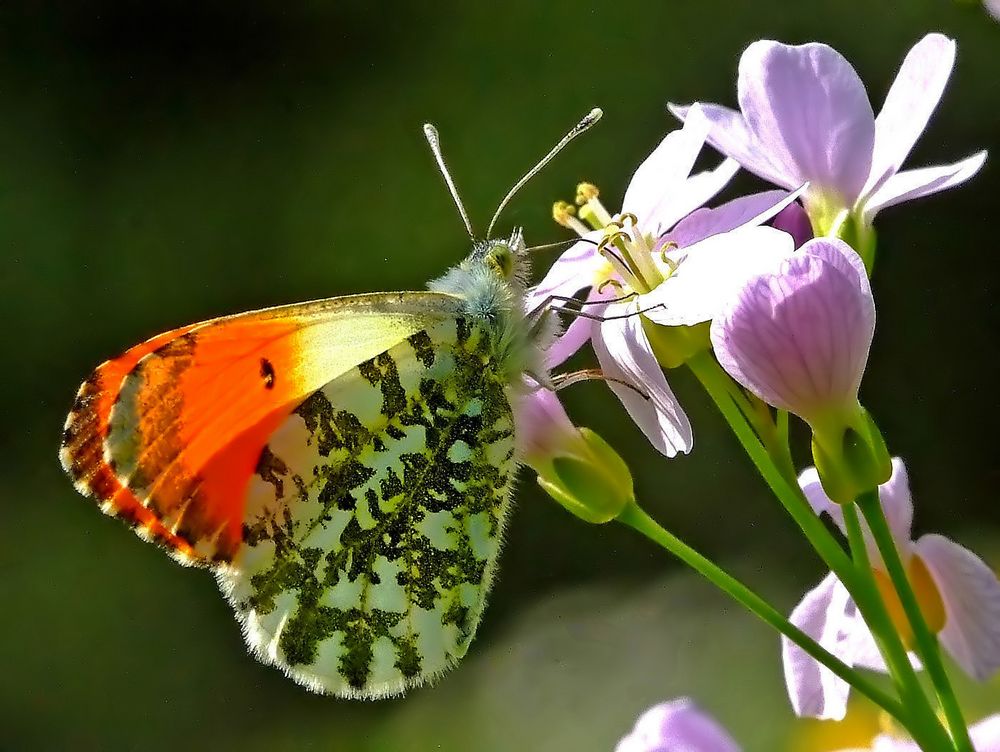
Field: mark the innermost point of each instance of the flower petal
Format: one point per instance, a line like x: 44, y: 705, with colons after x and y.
x: 827, y: 614
x: 908, y: 107
x: 624, y: 353
x: 695, y: 192
x: 576, y: 268
x: 542, y: 424
x: 986, y: 734
x: 711, y: 272
x: 750, y: 210
x: 807, y: 106
x: 664, y: 171
x: 799, y: 339
x: 971, y: 595
x: 731, y: 136
x: 677, y: 726
x: 570, y: 341
x: 897, y: 504
x: 794, y: 220
x: 911, y: 184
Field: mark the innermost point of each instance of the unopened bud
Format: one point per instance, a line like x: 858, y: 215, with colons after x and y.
x: 588, y: 478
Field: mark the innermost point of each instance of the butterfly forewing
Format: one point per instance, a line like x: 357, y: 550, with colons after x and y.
x: 374, y: 519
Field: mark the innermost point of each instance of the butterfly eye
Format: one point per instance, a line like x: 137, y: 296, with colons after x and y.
x: 501, y: 258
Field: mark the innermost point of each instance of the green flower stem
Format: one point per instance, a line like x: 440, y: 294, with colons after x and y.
x: 716, y: 382
x: 636, y: 518
x: 924, y: 724
x: 926, y: 642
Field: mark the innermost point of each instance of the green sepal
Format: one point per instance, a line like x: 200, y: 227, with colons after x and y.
x: 673, y: 346
x: 861, y: 237
x: 594, y: 484
x: 853, y: 462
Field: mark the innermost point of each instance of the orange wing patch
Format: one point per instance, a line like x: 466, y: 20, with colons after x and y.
x: 82, y: 452
x: 168, y: 435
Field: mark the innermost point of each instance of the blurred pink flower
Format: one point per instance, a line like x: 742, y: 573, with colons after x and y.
x: 681, y: 726
x: 958, y: 594
x: 668, y: 259
x: 805, y: 116
x: 677, y: 726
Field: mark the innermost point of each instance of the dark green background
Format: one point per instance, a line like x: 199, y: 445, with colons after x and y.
x: 169, y: 163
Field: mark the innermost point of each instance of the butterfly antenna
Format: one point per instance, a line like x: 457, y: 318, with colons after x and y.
x: 431, y: 134
x: 592, y: 117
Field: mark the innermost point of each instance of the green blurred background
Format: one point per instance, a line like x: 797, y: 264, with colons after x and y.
x: 164, y: 163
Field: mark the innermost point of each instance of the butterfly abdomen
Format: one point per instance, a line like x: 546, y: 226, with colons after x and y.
x: 375, y: 515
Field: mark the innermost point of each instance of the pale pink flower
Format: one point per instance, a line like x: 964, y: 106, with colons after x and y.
x: 673, y: 262
x: 958, y: 593
x: 677, y: 726
x: 799, y: 337
x: 805, y: 116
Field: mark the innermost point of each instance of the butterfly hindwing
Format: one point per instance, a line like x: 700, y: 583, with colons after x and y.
x: 374, y: 517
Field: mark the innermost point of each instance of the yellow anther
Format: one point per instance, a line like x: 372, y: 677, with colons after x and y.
x: 562, y: 212
x: 628, y: 217
x: 586, y: 192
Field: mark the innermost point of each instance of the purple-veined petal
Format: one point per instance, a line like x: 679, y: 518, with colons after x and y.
x: 794, y: 220
x: 664, y: 171
x: 677, y: 726
x: 842, y: 256
x: 711, y: 272
x: 971, y: 596
x: 731, y: 137
x: 908, y: 107
x: 827, y: 614
x: 799, y: 339
x: 576, y: 268
x: 624, y: 353
x: 911, y: 184
x: 807, y: 107
x: 750, y: 210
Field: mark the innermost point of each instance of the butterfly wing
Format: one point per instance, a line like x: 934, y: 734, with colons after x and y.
x: 373, y: 519
x: 168, y: 435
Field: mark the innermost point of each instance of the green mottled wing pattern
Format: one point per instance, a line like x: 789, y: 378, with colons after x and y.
x: 374, y: 520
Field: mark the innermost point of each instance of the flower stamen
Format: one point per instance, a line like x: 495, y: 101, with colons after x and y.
x: 563, y: 213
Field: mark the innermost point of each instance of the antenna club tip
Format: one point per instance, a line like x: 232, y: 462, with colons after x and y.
x: 430, y: 131
x: 595, y: 114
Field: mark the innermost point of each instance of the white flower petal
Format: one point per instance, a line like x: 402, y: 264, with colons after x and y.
x: 624, y: 353
x: 695, y: 192
x: 986, y: 734
x: 971, y: 595
x: 908, y: 107
x: 911, y: 184
x: 664, y: 171
x: 711, y: 272
x: 827, y: 614
x: 575, y: 269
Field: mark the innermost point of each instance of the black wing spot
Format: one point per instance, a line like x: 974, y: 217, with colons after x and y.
x: 267, y: 373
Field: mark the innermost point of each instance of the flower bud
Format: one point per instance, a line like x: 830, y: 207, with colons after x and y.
x: 575, y: 466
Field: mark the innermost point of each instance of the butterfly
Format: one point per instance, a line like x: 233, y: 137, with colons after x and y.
x: 343, y: 466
